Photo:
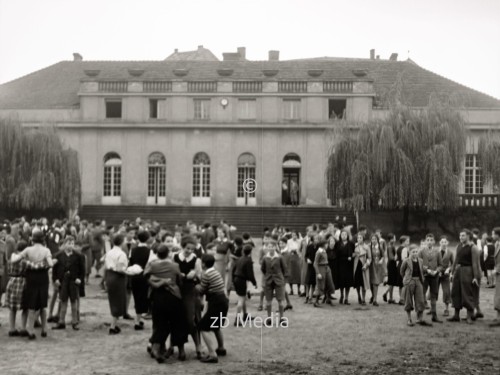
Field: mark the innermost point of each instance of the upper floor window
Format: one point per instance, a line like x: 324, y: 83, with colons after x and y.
x: 247, y: 109
x: 336, y: 108
x: 156, y: 108
x: 201, y: 109
x: 291, y: 109
x: 113, y: 108
x: 473, y: 175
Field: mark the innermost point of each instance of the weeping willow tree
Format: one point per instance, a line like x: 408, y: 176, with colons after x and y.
x: 489, y: 159
x: 411, y: 159
x: 37, y: 173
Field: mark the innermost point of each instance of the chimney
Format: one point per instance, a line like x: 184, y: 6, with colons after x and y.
x: 274, y: 55
x: 243, y: 52
x: 200, y: 47
x: 77, y: 57
x: 394, y: 57
x: 372, y: 54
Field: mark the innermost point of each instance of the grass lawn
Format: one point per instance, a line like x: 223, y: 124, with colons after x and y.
x: 328, y: 340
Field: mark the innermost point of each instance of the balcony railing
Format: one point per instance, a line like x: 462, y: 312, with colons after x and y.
x: 247, y: 86
x: 337, y: 86
x: 292, y: 86
x: 157, y: 86
x: 480, y: 200
x: 202, y: 86
x: 113, y: 86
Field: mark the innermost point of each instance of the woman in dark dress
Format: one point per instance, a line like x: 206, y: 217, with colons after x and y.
x: 139, y: 255
x: 392, y: 268
x: 401, y: 255
x: 190, y: 268
x: 344, y: 266
x: 331, y: 254
x: 310, y: 278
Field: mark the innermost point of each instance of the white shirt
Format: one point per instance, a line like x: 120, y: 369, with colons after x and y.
x: 116, y: 260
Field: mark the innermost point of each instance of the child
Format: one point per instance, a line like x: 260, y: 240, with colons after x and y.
x: 412, y: 272
x: 274, y: 270
x: 489, y: 263
x: 243, y: 272
x: 432, y: 263
x: 324, y: 281
x: 14, y: 293
x: 69, y: 271
x: 212, y: 286
x: 285, y: 255
x: 401, y: 255
x: 447, y: 259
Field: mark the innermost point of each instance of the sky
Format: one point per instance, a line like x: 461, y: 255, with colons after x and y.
x: 458, y: 39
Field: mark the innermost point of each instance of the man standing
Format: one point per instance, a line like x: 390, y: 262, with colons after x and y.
x: 432, y: 263
x: 466, y: 276
x: 447, y: 259
x: 496, y: 301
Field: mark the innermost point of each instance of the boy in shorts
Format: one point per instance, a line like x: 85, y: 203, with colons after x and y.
x: 274, y: 270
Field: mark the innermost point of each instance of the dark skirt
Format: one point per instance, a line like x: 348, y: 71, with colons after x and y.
x: 240, y: 286
x: 294, y: 270
x: 464, y: 294
x: 116, y: 285
x: 140, y: 288
x: 345, y: 277
x: 489, y: 263
x: 392, y: 273
x: 310, y: 278
x: 358, y: 276
x: 36, y: 294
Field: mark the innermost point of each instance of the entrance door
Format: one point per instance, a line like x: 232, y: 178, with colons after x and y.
x: 156, y: 179
x: 246, y: 181
x: 290, y: 183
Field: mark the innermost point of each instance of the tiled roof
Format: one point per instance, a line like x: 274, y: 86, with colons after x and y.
x: 201, y: 54
x: 57, y: 85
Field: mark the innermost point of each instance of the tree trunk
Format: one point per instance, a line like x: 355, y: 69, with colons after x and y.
x: 406, y: 218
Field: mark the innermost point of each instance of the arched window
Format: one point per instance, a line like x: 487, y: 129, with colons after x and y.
x: 201, y: 178
x: 156, y: 178
x: 290, y: 184
x: 112, y: 185
x: 246, y: 173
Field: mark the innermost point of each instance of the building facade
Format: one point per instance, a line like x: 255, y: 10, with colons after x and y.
x: 190, y: 130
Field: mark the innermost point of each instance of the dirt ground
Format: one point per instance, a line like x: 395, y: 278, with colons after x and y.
x: 328, y: 340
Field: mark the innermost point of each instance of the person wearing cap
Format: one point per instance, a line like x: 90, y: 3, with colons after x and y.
x: 36, y: 295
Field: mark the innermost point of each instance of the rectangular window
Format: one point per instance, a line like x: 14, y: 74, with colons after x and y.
x: 107, y: 181
x: 117, y: 181
x: 157, y: 108
x: 114, y: 108
x: 336, y: 108
x: 291, y: 109
x: 201, y: 109
x: 473, y: 175
x: 247, y: 109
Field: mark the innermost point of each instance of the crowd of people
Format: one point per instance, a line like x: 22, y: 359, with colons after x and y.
x: 181, y: 279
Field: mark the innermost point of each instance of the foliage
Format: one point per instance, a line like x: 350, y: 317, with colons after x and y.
x: 411, y: 158
x: 37, y: 173
x: 489, y: 158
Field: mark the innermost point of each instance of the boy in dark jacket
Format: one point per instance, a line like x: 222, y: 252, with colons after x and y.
x: 274, y: 271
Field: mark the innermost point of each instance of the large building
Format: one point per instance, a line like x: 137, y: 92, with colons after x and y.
x: 189, y: 130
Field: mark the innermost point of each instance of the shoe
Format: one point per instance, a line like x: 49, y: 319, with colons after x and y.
x: 424, y: 323
x: 401, y: 303
x: 375, y: 303
x: 391, y: 302
x: 360, y: 301
x: 14, y: 333
x: 97, y: 276
x: 198, y: 354
x: 329, y: 302
x: 429, y: 313
x: 495, y: 323
x: 128, y: 317
x: 291, y: 293
x: 59, y: 326
x: 363, y: 303
x: 221, y: 352
x: 371, y: 300
x: 209, y: 359
x: 341, y: 301
x: 23, y: 333
x: 307, y: 300
x: 453, y: 319
x: 316, y: 304
x: 346, y: 302
x: 31, y: 336
x: 384, y: 297
x: 37, y: 324
x: 182, y: 355
x: 410, y: 323
x: 114, y: 331
x: 43, y: 334
x: 75, y: 327
x: 288, y: 307
x: 479, y: 315
x: 52, y: 319
x: 260, y: 308
x: 139, y: 327
x: 446, y: 313
x: 436, y: 320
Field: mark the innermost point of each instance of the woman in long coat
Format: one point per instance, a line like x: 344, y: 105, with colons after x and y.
x: 344, y: 266
x: 361, y: 264
x: 294, y: 262
x: 377, y: 271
